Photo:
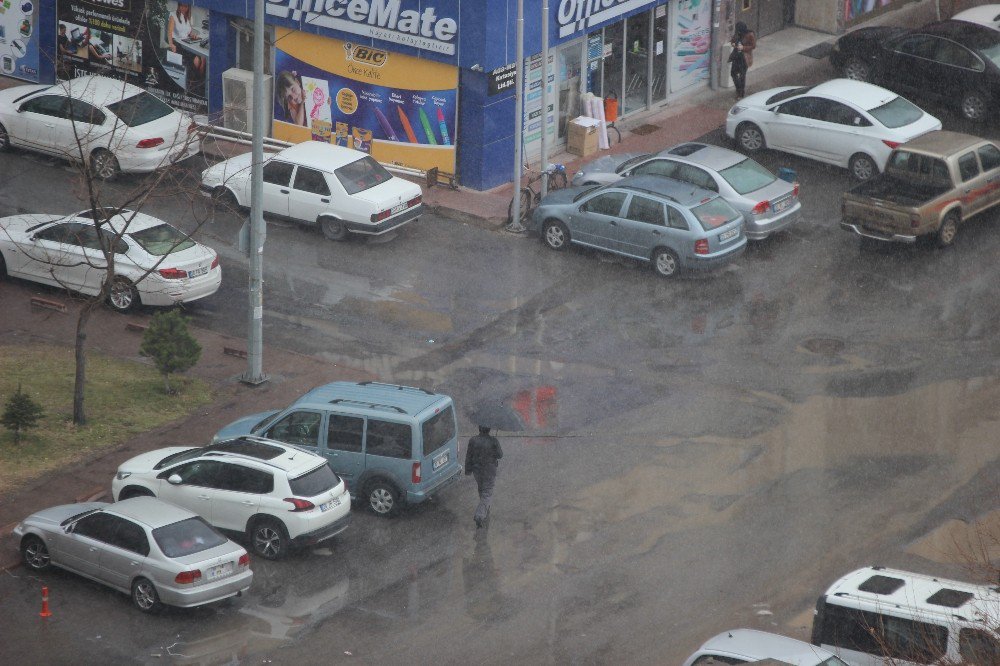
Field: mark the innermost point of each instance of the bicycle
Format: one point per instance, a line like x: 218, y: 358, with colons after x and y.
x: 530, y: 197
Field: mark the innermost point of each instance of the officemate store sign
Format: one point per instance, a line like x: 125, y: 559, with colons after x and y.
x: 388, y: 20
x: 577, y: 16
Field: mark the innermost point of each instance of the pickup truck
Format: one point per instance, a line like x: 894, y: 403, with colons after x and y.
x: 930, y: 186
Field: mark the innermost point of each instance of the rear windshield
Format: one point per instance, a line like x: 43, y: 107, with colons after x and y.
x: 897, y: 113
x: 141, y: 109
x: 362, y: 175
x: 438, y: 430
x: 715, y: 213
x: 187, y: 537
x: 786, y: 94
x: 747, y: 176
x: 162, y: 239
x: 928, y: 169
x: 315, y: 482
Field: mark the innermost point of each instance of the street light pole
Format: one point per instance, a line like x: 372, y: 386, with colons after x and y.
x: 515, y: 222
x: 255, y: 373
x: 545, y: 98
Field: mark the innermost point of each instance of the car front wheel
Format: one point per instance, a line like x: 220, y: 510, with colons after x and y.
x: 555, y: 234
x: 974, y: 106
x: 34, y: 553
x: 665, y: 262
x: 123, y: 295
x: 144, y: 596
x: 863, y: 167
x: 4, y: 138
x: 269, y: 539
x: 750, y: 138
x: 104, y: 165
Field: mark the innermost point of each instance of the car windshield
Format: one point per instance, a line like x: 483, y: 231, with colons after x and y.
x: 747, y: 176
x: 897, y: 113
x: 315, y: 482
x: 362, y: 175
x: 587, y: 191
x: 632, y: 161
x: 162, y: 239
x: 180, y: 456
x: 77, y: 517
x: 991, y: 51
x: 714, y: 213
x: 266, y: 422
x: 140, y: 109
x: 186, y: 537
x: 785, y: 94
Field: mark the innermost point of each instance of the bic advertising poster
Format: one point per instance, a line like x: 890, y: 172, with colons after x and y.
x: 159, y: 45
x: 399, y: 108
x: 18, y: 42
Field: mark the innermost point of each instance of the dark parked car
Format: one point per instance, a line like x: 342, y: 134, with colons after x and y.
x: 955, y: 62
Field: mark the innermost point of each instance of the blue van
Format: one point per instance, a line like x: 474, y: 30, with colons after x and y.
x: 392, y: 444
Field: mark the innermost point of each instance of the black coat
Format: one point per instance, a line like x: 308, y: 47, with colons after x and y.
x: 483, y: 450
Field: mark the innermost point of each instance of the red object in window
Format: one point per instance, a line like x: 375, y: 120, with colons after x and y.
x: 611, y: 108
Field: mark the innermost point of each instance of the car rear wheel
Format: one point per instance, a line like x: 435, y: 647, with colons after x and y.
x: 144, y: 596
x: 555, y: 234
x: 269, y: 539
x: 333, y: 228
x: 863, y: 167
x: 134, y: 491
x: 34, y: 553
x: 948, y: 230
x: 4, y: 138
x: 857, y: 69
x: 104, y: 165
x: 665, y: 262
x: 974, y: 106
x: 750, y: 138
x: 383, y: 499
x: 223, y: 197
x: 123, y: 295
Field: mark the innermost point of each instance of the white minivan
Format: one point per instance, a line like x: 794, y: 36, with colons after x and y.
x: 877, y: 617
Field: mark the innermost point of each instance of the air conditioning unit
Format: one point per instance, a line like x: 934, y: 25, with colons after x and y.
x: 237, y: 100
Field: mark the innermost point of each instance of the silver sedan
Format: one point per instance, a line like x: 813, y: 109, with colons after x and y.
x: 157, y: 552
x: 768, y: 204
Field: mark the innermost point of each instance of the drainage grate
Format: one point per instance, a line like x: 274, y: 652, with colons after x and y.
x: 819, y: 51
x: 824, y: 346
x: 644, y: 129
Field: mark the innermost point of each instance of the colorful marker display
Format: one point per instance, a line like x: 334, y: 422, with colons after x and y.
x: 425, y: 121
x: 390, y: 134
x: 445, y: 139
x: 407, y: 127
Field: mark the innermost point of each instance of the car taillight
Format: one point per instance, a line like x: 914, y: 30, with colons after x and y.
x: 414, y: 201
x: 173, y: 273
x: 244, y: 560
x: 701, y: 246
x: 215, y: 262
x: 761, y: 207
x: 149, y: 143
x: 914, y: 220
x: 186, y: 577
x: 416, y: 473
x: 891, y: 144
x: 300, y: 504
x: 378, y: 217
x: 795, y: 189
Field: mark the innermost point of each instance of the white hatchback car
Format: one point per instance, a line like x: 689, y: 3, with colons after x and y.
x: 740, y: 646
x: 340, y: 189
x: 116, y: 126
x: 842, y: 122
x: 276, y: 494
x: 988, y: 15
x: 155, y: 263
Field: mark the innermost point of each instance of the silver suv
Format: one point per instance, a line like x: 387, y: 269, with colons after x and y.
x: 276, y: 494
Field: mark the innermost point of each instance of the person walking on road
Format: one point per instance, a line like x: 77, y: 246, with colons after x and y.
x: 481, y: 458
x: 744, y: 41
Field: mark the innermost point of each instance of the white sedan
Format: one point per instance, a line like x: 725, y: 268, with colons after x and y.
x: 114, y: 125
x: 988, y: 15
x: 842, y: 122
x: 155, y: 263
x: 340, y: 190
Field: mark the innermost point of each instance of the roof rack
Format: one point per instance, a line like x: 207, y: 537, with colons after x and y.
x: 365, y: 403
x: 398, y: 387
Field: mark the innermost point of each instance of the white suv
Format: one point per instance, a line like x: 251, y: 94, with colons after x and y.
x: 277, y: 494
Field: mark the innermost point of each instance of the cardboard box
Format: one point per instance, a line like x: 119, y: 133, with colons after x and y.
x: 581, y: 139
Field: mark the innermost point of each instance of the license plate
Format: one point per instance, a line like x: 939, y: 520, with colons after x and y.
x: 440, y: 460
x: 198, y: 271
x: 398, y: 208
x: 329, y: 505
x: 782, y: 205
x: 220, y: 570
x: 726, y: 235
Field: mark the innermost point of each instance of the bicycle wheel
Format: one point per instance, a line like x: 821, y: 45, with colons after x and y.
x: 558, y: 180
x: 527, y: 199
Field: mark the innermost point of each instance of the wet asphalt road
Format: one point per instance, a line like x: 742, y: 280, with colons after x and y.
x: 700, y: 454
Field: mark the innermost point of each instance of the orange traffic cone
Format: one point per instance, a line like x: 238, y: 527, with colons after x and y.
x: 45, y: 603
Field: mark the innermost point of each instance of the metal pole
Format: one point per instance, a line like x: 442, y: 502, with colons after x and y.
x: 515, y: 222
x: 255, y: 334
x: 545, y: 97
x: 715, y: 47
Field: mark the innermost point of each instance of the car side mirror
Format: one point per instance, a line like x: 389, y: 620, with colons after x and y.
x: 174, y: 479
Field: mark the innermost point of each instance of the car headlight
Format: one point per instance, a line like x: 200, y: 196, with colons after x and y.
x: 121, y: 476
x: 736, y: 110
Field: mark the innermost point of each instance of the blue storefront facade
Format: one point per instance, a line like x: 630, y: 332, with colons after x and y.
x: 413, y: 77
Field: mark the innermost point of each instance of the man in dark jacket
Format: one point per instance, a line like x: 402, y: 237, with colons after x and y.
x: 481, y: 458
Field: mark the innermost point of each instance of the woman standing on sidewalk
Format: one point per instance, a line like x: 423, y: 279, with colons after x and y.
x: 744, y: 41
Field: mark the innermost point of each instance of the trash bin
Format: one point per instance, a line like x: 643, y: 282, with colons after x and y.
x: 787, y: 173
x: 611, y: 107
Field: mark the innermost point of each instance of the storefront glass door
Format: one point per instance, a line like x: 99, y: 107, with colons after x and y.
x: 614, y: 36
x: 568, y: 75
x: 661, y: 29
x: 637, y: 56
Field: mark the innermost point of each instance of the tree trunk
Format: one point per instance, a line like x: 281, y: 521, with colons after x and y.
x: 80, y: 381
x: 166, y: 383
